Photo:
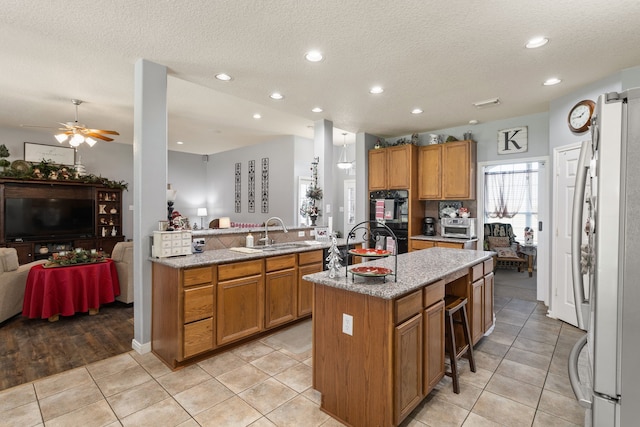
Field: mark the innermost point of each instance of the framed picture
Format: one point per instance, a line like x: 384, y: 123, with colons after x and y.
x: 322, y: 233
x: 514, y: 140
x: 35, y: 153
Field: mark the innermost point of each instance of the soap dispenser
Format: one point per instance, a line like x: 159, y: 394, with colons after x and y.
x: 249, y: 240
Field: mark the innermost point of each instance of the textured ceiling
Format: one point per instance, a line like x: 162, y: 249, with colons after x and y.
x: 441, y: 56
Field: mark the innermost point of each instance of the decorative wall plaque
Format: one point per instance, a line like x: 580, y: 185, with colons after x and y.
x: 265, y: 185
x: 511, y: 141
x: 238, y: 187
x: 252, y: 186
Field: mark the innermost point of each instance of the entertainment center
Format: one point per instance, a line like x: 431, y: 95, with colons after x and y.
x: 41, y: 217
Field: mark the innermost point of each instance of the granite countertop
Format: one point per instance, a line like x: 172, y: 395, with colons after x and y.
x: 443, y: 239
x: 223, y: 256
x: 415, y: 269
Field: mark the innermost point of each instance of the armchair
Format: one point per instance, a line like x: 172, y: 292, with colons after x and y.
x: 499, y: 237
x: 122, y: 256
x: 13, y: 280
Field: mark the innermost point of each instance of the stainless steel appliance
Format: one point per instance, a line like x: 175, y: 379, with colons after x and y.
x: 607, y: 304
x: 429, y: 226
x: 463, y: 228
x: 391, y: 207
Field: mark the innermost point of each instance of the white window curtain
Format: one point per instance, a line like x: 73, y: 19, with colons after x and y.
x: 506, y: 190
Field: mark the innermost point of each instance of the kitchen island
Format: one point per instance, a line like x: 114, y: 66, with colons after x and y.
x: 378, y: 344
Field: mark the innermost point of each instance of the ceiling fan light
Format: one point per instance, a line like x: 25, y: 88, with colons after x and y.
x: 61, y: 137
x: 90, y: 141
x: 76, y: 140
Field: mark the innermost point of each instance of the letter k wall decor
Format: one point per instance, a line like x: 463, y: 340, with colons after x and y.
x: 511, y: 141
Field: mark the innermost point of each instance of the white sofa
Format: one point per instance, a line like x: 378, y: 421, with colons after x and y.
x: 13, y: 280
x: 122, y: 255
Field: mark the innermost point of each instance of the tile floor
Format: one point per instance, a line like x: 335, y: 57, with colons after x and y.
x: 521, y: 380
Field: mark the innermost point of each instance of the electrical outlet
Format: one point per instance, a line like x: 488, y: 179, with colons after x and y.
x: 300, y: 233
x: 347, y: 324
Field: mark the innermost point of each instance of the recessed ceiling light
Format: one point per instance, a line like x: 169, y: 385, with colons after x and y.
x: 536, y: 42
x: 317, y: 110
x: 417, y: 111
x: 257, y: 116
x: 313, y: 56
x: 552, y: 81
x: 224, y: 77
x: 376, y: 90
x: 179, y: 142
x: 276, y: 95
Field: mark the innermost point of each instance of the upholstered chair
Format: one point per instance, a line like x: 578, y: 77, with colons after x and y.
x: 122, y: 255
x: 13, y: 280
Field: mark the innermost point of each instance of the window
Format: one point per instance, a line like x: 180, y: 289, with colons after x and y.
x: 304, y: 182
x: 511, y: 196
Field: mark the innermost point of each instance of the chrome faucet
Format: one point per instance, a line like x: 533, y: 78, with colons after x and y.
x: 266, y: 230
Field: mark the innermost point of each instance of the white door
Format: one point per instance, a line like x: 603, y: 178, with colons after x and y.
x: 562, y: 301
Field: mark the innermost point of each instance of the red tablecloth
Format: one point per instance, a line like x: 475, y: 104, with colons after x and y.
x: 68, y: 290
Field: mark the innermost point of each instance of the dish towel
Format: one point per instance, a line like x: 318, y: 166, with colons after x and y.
x: 380, y: 209
x: 388, y: 209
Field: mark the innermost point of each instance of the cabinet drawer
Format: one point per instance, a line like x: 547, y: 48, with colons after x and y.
x: 239, y: 269
x: 433, y: 293
x: 488, y: 266
x: 477, y: 271
x: 310, y: 257
x: 407, y: 306
x: 196, y: 276
x: 281, y: 262
x: 198, y: 337
x: 198, y: 303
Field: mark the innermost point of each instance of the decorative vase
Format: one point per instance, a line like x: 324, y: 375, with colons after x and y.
x: 313, y: 218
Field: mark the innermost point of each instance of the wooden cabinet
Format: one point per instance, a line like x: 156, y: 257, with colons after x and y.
x: 417, y: 244
x: 308, y: 263
x: 477, y: 287
x: 392, y: 168
x: 198, y: 310
x: 25, y: 251
x: 447, y: 171
x: 240, y: 304
x: 430, y: 171
x: 408, y: 366
x: 280, y: 290
x: 433, y: 345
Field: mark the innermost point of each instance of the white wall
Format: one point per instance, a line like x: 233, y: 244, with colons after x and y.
x: 289, y: 157
x: 188, y: 175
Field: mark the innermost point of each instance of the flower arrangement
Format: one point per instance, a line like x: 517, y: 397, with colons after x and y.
x: 75, y: 257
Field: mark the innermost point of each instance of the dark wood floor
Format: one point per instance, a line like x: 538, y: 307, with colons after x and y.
x: 32, y: 348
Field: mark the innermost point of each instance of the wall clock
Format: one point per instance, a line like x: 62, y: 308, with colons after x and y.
x: 579, y: 117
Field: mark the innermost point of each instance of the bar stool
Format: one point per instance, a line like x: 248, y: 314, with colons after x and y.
x: 452, y: 305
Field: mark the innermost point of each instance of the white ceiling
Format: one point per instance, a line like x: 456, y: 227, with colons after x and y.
x: 441, y: 56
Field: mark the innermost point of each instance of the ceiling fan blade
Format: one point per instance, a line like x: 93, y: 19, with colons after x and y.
x: 34, y: 126
x: 109, y: 132
x: 97, y: 135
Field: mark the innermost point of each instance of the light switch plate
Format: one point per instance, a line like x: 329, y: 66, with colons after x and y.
x: 300, y: 233
x: 347, y: 324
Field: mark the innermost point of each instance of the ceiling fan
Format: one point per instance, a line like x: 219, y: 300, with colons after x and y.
x: 77, y: 133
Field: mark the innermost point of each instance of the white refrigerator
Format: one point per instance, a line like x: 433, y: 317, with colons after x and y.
x: 608, y: 302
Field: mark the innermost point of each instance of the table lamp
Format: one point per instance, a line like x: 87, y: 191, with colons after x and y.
x: 202, y: 212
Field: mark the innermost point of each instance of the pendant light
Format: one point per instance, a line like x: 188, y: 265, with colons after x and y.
x: 342, y: 160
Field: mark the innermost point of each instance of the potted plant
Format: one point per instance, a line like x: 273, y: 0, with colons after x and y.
x: 4, y: 163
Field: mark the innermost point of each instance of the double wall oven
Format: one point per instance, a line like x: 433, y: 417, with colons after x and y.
x: 391, y: 207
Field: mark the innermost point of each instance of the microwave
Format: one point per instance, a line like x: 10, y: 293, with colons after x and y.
x: 461, y: 228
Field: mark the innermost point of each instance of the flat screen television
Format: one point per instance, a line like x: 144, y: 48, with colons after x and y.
x: 41, y: 218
